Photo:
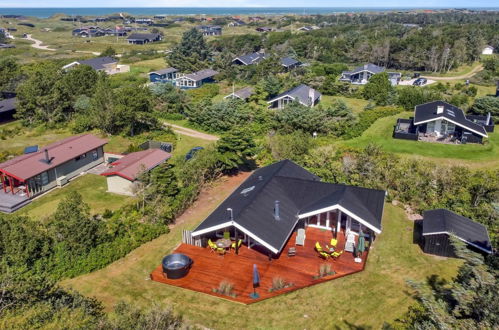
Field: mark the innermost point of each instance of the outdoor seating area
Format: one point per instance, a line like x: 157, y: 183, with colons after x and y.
x: 298, y: 264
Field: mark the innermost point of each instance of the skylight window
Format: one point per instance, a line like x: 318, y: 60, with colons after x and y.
x: 451, y: 113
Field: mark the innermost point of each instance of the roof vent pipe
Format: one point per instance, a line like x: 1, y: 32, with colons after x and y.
x: 230, y: 213
x: 47, y: 159
x: 440, y: 109
x: 260, y: 178
x: 276, y: 211
x: 489, y: 119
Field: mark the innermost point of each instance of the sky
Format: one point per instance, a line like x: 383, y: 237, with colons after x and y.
x: 248, y: 3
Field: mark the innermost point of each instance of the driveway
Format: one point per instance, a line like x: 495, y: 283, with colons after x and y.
x: 411, y: 81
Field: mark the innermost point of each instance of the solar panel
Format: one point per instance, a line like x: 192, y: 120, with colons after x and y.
x: 451, y: 113
x: 30, y: 149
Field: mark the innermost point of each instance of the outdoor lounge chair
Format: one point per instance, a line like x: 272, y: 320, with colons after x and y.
x: 300, y: 237
x: 221, y: 251
x: 319, y: 249
x: 238, y: 244
x: 334, y: 242
x: 336, y: 255
x: 212, y: 246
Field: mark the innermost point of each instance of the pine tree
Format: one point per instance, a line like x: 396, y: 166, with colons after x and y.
x: 191, y: 54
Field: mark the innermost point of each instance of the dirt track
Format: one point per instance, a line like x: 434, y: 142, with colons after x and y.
x: 470, y: 74
x: 190, y: 132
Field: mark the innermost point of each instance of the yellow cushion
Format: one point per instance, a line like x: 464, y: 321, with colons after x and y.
x: 334, y: 242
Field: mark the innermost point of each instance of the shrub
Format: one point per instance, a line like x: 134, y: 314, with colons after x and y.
x: 278, y: 283
x: 225, y: 288
x: 367, y: 118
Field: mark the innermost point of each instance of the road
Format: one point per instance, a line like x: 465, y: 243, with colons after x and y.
x: 190, y: 132
x: 38, y: 43
x: 468, y: 75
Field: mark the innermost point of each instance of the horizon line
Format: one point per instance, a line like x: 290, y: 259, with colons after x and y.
x: 283, y: 7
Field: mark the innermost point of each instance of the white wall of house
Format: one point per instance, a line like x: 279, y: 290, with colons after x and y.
x: 488, y: 51
x: 118, y: 185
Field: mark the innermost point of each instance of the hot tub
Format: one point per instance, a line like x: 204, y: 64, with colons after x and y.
x: 176, y: 265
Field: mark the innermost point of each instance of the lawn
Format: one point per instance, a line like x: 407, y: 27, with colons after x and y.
x: 365, y: 299
x: 357, y: 105
x: 93, y: 189
x: 476, y: 155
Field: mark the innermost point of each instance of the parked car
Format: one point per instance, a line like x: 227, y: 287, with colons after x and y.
x: 419, y: 82
x: 192, y: 152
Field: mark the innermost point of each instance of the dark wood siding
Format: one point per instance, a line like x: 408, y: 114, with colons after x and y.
x: 439, y: 245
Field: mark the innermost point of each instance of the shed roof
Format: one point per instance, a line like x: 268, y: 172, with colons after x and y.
x: 427, y: 112
x: 288, y: 61
x: 300, y: 93
x: 442, y: 221
x: 27, y: 166
x: 298, y: 191
x: 8, y: 104
x: 243, y: 93
x: 164, y: 71
x: 99, y: 63
x: 130, y: 166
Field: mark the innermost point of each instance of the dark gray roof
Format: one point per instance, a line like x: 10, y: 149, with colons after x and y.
x: 8, y: 105
x: 164, y: 71
x: 98, y: 63
x: 251, y: 58
x: 428, y: 112
x: 143, y: 36
x: 200, y: 75
x: 366, y: 67
x: 300, y: 93
x: 243, y: 93
x: 444, y: 221
x: 297, y: 191
x: 288, y: 61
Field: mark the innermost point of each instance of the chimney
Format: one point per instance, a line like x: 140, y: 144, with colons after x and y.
x: 276, y: 211
x: 230, y: 213
x: 440, y: 109
x: 311, y: 96
x: 47, y: 158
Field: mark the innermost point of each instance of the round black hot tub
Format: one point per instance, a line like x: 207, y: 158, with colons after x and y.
x: 176, y: 265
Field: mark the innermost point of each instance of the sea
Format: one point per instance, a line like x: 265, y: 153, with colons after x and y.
x: 211, y: 11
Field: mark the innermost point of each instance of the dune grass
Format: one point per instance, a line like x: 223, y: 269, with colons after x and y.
x: 365, y: 299
x: 476, y: 155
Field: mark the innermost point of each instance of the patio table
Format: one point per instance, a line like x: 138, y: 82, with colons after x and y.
x: 223, y: 243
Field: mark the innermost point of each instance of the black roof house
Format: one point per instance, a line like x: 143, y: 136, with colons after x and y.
x: 440, y: 121
x: 303, y: 94
x: 7, y: 109
x: 251, y: 208
x: 439, y: 224
x: 432, y: 111
x: 243, y: 94
x: 143, y: 38
x: 248, y: 59
x: 99, y: 63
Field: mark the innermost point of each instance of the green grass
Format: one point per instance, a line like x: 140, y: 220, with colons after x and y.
x: 366, y: 299
x: 357, y: 105
x: 93, y: 190
x: 380, y: 132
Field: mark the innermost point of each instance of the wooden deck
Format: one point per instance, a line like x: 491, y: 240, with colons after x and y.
x: 209, y: 269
